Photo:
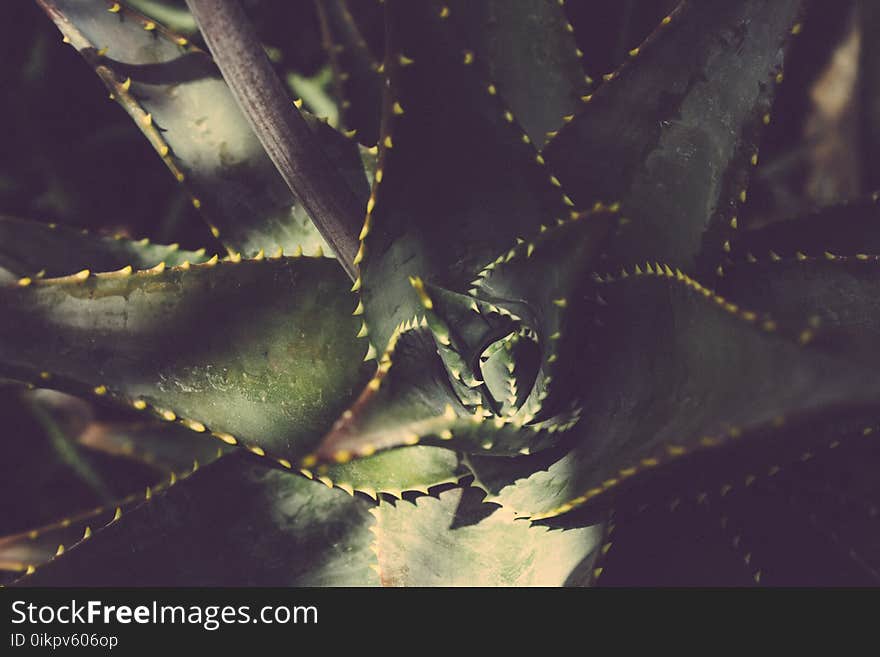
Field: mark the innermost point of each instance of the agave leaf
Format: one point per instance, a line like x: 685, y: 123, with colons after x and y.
x: 460, y: 180
x: 201, y: 533
x: 457, y: 540
x: 541, y: 282
x: 411, y: 401
x: 846, y: 229
x: 358, y: 81
x: 166, y: 447
x: 835, y: 298
x: 607, y: 30
x: 30, y: 247
x: 672, y: 136
x: 261, y: 352
x: 27, y: 550
x: 509, y: 372
x: 802, y: 521
x: 369, y: 16
x: 180, y: 102
x: 395, y: 472
x: 531, y: 55
x: 655, y: 392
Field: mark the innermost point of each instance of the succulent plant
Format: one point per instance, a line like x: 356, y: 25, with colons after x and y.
x: 508, y: 325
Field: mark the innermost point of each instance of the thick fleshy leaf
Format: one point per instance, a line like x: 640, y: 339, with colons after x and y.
x: 673, y: 134
x: 460, y: 179
x: 411, y: 400
x: 607, y: 30
x: 531, y: 56
x: 30, y: 549
x: 261, y: 352
x: 202, y: 532
x: 177, y: 97
x: 836, y: 298
x: 809, y: 519
x: 676, y: 370
x: 358, y: 80
x: 395, y: 472
x: 30, y: 247
x: 845, y: 229
x: 541, y: 281
x: 457, y: 540
x: 166, y: 447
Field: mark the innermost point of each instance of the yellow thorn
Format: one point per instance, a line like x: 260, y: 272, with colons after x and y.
x: 87, y: 533
x: 396, y: 108
x: 444, y: 12
x: 492, y: 90
x: 147, y: 119
x: 118, y: 514
x: 468, y: 57
x: 387, y: 142
x: 24, y: 282
x: 139, y: 404
x: 733, y: 223
x: 149, y: 26
x: 59, y: 551
x: 100, y: 390
x: 256, y: 449
x: 168, y: 416
x: 114, y: 8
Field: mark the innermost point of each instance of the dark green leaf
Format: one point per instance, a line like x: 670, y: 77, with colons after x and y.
x: 672, y: 136
x: 457, y: 540
x: 531, y: 55
x: 176, y: 96
x: 459, y: 181
x: 264, y: 351
x: 845, y: 229
x: 672, y: 373
x: 30, y: 247
x: 837, y: 301
x: 202, y: 532
x: 411, y: 400
x: 356, y: 71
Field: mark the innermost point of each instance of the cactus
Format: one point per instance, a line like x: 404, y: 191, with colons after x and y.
x: 512, y: 323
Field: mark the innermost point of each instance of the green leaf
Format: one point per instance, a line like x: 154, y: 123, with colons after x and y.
x: 395, y: 472
x: 358, y: 81
x: 531, y: 56
x: 606, y: 30
x: 835, y: 298
x: 674, y: 371
x: 202, y: 532
x: 541, y: 282
x: 261, y: 352
x: 845, y: 229
x: 29, y: 247
x: 176, y: 96
x: 166, y: 447
x: 672, y: 135
x: 457, y: 540
x: 458, y: 184
x: 30, y: 549
x: 411, y: 401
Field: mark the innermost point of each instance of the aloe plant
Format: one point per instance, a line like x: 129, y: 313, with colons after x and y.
x: 510, y: 324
